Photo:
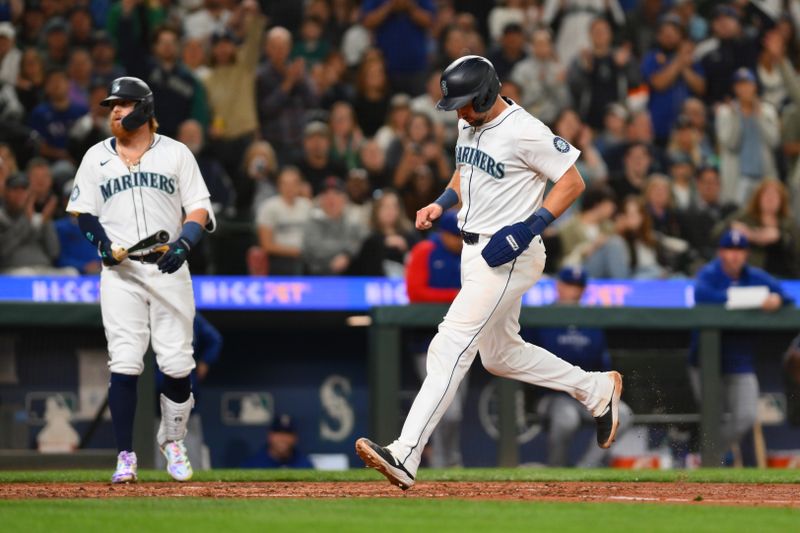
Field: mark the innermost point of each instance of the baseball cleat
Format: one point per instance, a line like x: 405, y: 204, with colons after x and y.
x: 126, y: 468
x: 608, y: 422
x: 178, y: 464
x: 383, y: 461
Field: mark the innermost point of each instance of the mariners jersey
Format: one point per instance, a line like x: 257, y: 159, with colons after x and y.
x: 504, y: 166
x: 134, y: 203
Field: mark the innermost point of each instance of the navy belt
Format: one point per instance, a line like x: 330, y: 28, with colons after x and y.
x: 150, y: 258
x: 470, y: 238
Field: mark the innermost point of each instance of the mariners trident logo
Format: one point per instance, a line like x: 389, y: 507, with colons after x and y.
x: 444, y: 88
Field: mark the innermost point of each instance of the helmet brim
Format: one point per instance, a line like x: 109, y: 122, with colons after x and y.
x: 111, y: 99
x: 451, y: 104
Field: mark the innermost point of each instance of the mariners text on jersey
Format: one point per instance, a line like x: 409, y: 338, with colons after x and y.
x: 137, y: 179
x: 467, y: 155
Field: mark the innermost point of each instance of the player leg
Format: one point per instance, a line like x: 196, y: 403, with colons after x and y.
x: 172, y: 315
x: 125, y: 320
x: 563, y: 417
x: 506, y: 354
x: 741, y: 401
x: 450, y: 356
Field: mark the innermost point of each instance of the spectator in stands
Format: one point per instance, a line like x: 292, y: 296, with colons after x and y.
x: 219, y: 183
x: 445, y: 123
x: 600, y: 75
x: 373, y: 160
x: 346, y: 137
x: 671, y: 73
x: 506, y: 12
x: 396, y: 126
x: 92, y: 127
x: 372, y: 95
x: 195, y: 55
x: 284, y: 94
x: 419, y: 147
x: 636, y: 167
x: 635, y: 226
x: 696, y: 26
x: 721, y: 55
x: 739, y: 381
x: 421, y: 189
x: 359, y: 196
x: 542, y: 78
x: 706, y: 211
x: 771, y: 231
x: 770, y: 80
x: 330, y: 239
x: 79, y: 70
x: 40, y: 180
x: 80, y: 28
x: 260, y: 166
x: 10, y: 55
x: 177, y: 93
x: 684, y: 143
x: 452, y: 45
x: 316, y: 163
x: 53, y: 118
x: 281, y: 449
x: 748, y: 131
x: 332, y: 86
x: 313, y: 46
x: 28, y: 240
x: 56, y: 44
x: 569, y: 126
x: 33, y: 20
x: 383, y: 252
x: 610, y: 140
x: 280, y: 222
x: 203, y: 22
x: 434, y: 276
x: 104, y: 56
x: 660, y: 205
x: 231, y: 89
x: 585, y: 347
x: 588, y: 238
x: 696, y: 114
x: 407, y: 22
x: 75, y: 250
x: 573, y: 19
x: 509, y: 51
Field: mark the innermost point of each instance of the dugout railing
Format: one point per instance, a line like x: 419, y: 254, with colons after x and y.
x: 385, y: 358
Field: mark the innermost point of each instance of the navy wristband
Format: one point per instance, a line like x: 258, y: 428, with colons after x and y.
x: 92, y: 229
x: 192, y: 233
x: 539, y: 220
x: 448, y: 199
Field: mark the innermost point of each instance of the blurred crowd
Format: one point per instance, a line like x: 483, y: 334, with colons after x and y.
x: 315, y: 128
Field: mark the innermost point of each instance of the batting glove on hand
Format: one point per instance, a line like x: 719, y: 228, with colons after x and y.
x: 106, y: 253
x: 174, y: 257
x: 507, y: 244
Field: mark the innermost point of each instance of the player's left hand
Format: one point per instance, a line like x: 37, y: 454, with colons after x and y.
x: 507, y: 244
x: 174, y: 257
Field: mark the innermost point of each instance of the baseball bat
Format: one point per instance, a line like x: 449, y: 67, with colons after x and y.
x: 159, y: 237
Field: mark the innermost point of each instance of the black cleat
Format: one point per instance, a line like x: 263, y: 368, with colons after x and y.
x: 608, y: 422
x: 383, y: 461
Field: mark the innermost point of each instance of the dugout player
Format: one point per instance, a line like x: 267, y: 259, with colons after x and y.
x: 126, y: 188
x: 504, y: 159
x: 563, y: 416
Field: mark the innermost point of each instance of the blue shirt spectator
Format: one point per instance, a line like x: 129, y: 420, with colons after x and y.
x: 281, y: 449
x: 53, y: 118
x: 76, y: 250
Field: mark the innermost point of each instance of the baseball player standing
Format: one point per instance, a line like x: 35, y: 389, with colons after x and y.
x: 504, y: 158
x: 128, y: 187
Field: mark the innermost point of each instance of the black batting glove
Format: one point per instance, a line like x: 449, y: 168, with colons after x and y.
x: 105, y: 253
x: 174, y: 257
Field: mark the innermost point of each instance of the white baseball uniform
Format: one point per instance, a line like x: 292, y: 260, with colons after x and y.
x: 504, y: 166
x: 138, y: 302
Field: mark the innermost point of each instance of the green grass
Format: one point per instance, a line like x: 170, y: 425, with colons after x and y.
x: 707, y: 475
x: 379, y: 515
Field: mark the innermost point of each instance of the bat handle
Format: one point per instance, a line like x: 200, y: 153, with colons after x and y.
x: 120, y: 253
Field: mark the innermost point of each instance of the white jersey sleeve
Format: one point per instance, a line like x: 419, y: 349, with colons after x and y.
x: 545, y: 153
x: 85, y: 197
x: 193, y: 190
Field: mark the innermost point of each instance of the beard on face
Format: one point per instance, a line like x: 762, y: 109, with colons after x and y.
x: 478, y: 121
x: 118, y: 131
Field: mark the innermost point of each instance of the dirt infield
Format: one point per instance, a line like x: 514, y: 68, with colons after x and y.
x: 751, y: 494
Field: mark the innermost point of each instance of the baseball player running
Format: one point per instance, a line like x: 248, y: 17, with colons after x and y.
x: 504, y: 157
x: 127, y: 187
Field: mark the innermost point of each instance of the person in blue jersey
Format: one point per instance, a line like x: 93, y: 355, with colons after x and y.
x: 586, y: 348
x: 280, y: 450
x: 738, y: 349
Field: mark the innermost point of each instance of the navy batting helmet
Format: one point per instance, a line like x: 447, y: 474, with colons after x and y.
x: 470, y: 79
x: 133, y: 89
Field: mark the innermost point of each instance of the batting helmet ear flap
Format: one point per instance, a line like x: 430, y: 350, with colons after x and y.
x: 142, y: 112
x: 486, y: 97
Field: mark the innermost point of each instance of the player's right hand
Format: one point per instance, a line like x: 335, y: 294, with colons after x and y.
x: 104, y: 249
x: 427, y: 215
